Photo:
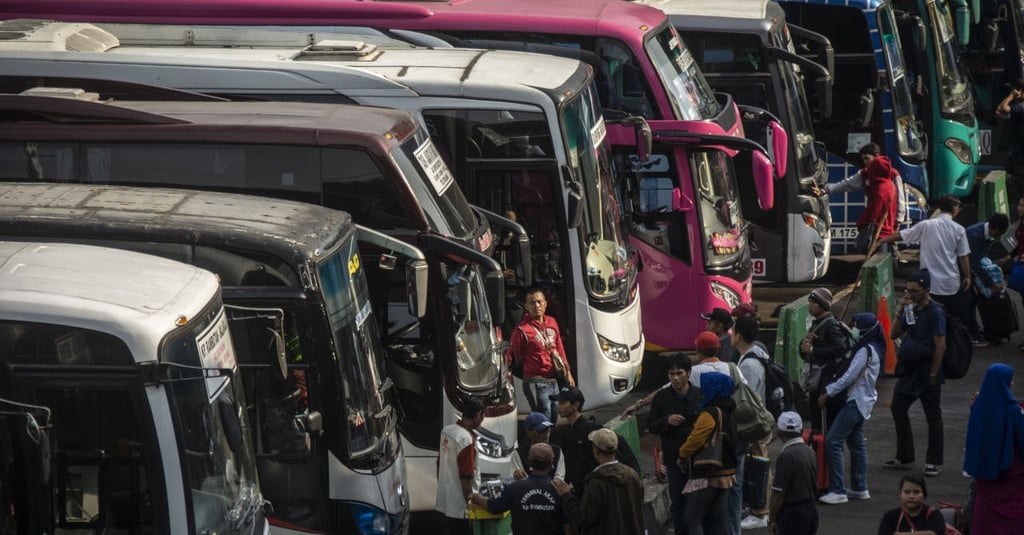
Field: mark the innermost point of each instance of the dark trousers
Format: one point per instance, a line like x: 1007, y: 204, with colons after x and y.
x: 931, y: 403
x: 676, y: 482
x: 706, y: 512
x: 459, y: 526
x: 798, y: 519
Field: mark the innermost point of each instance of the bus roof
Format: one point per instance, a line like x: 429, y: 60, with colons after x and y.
x: 291, y: 231
x: 378, y: 129
x: 592, y: 17
x: 722, y: 15
x: 320, y: 67
x: 135, y: 297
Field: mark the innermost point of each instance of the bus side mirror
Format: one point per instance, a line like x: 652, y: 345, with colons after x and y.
x: 764, y: 180
x: 867, y: 109
x: 313, y: 422
x: 574, y: 203
x: 416, y: 286
x: 280, y: 348
x: 494, y: 287
x: 680, y: 202
x: 824, y: 90
x: 644, y: 138
x: 778, y: 141
x: 962, y: 22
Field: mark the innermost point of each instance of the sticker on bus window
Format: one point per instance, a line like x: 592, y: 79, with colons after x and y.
x: 598, y: 133
x: 437, y: 172
x: 216, y: 352
x: 895, y: 57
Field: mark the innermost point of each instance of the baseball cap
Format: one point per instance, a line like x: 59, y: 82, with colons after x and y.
x: 536, y: 421
x: 569, y: 393
x: 605, y: 439
x: 707, y: 341
x: 720, y: 315
x: 790, y: 422
x: 744, y: 310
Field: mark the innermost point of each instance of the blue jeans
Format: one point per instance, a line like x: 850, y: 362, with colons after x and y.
x: 734, y: 510
x: 847, y: 428
x: 538, y: 392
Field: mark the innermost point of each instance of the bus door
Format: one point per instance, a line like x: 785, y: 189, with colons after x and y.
x: 283, y: 386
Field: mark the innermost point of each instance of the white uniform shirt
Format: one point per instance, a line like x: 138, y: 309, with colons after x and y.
x: 450, y: 500
x: 942, y: 242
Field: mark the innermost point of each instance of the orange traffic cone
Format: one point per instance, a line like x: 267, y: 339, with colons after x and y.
x: 890, y: 347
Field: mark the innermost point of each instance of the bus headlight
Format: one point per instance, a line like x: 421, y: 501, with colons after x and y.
x: 816, y: 223
x: 961, y: 150
x: 370, y: 520
x: 726, y: 294
x: 612, y: 350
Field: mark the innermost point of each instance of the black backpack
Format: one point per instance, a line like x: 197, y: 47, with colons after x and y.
x: 778, y: 387
x: 959, y: 351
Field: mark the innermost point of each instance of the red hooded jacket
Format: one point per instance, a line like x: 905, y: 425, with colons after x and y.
x: 880, y: 189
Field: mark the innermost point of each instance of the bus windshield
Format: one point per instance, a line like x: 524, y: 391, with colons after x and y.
x: 213, y: 430
x: 477, y: 348
x: 954, y: 91
x: 908, y: 134
x: 692, y: 97
x: 369, y: 403
x: 609, y: 265
x: 453, y: 206
x: 802, y: 134
x: 721, y: 217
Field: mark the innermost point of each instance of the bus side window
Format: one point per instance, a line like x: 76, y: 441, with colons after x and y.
x: 353, y: 182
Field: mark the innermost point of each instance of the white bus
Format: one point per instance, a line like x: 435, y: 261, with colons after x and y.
x: 122, y: 409
x: 522, y: 133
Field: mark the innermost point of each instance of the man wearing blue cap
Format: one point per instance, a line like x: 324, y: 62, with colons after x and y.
x: 919, y: 372
x: 538, y: 431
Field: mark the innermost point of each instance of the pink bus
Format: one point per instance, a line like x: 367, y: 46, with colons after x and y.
x: 683, y: 200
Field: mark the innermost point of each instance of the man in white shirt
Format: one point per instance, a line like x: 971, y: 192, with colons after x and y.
x: 458, y: 475
x: 945, y: 253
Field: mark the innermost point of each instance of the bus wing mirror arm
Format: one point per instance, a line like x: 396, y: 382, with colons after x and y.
x: 523, y: 250
x: 644, y: 136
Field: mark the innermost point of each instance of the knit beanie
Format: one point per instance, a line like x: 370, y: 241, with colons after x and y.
x: 822, y: 296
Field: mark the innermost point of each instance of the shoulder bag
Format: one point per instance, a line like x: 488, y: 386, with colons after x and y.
x: 710, y: 456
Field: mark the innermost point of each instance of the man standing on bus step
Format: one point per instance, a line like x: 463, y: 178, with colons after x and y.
x: 458, y: 475
x: 537, y: 343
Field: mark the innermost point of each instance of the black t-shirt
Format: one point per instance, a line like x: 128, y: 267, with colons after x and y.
x: 535, y: 506
x: 928, y: 519
x: 666, y: 403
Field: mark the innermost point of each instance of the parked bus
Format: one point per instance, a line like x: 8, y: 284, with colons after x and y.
x: 311, y: 152
x: 697, y: 251
x: 323, y: 406
x: 122, y: 407
x: 872, y: 101
x: 746, y: 48
x: 523, y: 133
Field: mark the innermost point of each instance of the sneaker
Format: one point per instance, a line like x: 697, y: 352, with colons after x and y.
x: 858, y: 494
x: 754, y: 522
x: 932, y: 470
x: 896, y: 464
x: 980, y: 342
x: 833, y: 498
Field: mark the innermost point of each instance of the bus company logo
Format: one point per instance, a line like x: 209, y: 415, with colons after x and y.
x: 725, y: 242
x: 353, y: 264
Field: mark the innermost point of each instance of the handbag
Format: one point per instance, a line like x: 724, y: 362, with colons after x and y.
x: 864, y: 238
x: 1016, y: 278
x: 810, y: 377
x: 710, y: 456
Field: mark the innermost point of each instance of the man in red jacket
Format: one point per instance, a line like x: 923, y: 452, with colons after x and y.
x: 537, y: 343
x: 880, y: 190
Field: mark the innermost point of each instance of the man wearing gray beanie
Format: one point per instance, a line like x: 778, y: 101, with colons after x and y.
x: 826, y: 342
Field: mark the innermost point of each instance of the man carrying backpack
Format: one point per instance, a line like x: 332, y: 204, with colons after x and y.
x: 857, y: 387
x: 825, y: 345
x: 753, y: 364
x: 919, y: 372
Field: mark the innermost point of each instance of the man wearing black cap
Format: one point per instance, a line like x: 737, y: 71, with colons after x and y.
x: 574, y: 441
x: 919, y: 372
x: 535, y: 506
x: 719, y: 322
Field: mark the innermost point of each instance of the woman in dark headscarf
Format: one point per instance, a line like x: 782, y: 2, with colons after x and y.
x: 707, y: 491
x: 994, y: 456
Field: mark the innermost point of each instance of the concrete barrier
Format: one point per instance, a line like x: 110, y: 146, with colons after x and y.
x: 793, y: 324
x: 876, y: 281
x: 992, y: 196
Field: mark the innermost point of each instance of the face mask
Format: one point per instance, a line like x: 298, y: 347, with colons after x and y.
x: 856, y: 333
